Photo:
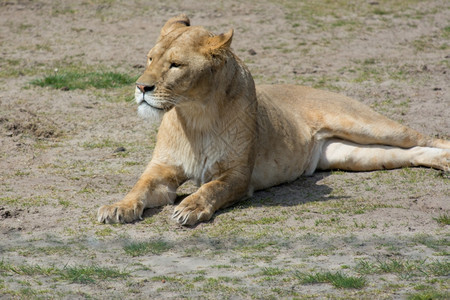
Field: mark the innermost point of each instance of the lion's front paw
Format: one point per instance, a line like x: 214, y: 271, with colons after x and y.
x: 190, y: 211
x: 120, y: 212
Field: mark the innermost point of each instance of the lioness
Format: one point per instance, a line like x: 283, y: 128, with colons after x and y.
x: 232, y: 138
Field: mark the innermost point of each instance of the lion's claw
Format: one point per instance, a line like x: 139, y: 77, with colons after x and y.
x: 120, y: 212
x: 189, y: 212
x: 182, y: 219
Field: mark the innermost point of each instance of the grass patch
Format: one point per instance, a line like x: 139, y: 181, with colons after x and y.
x: 392, y: 265
x: 89, y: 274
x: 35, y: 201
x: 142, y: 248
x: 164, y: 278
x: 431, y: 241
x: 328, y: 222
x: 24, y: 269
x: 439, y: 268
x: 80, y: 274
x: 107, y: 231
x: 266, y: 220
x: 269, y: 271
x: 338, y: 279
x: 82, y: 79
x: 380, y: 12
x: 220, y: 285
x: 443, y: 219
x: 430, y: 295
x: 404, y: 268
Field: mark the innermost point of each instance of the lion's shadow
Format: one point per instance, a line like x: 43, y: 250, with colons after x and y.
x: 301, y: 191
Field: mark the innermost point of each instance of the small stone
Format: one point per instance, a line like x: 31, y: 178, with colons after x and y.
x: 252, y: 52
x: 120, y: 149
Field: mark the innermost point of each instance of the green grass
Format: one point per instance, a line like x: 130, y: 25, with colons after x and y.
x: 431, y: 241
x: 328, y: 222
x: 391, y: 265
x: 443, y: 219
x: 143, y: 248
x: 107, y: 231
x: 24, y: 269
x: 367, y: 71
x: 430, y: 295
x: 74, y: 274
x: 404, y: 268
x: 380, y: 12
x: 89, y: 274
x: 219, y: 285
x: 439, y: 268
x: 266, y: 220
x: 81, y: 79
x: 270, y: 271
x: 338, y: 279
x: 35, y: 201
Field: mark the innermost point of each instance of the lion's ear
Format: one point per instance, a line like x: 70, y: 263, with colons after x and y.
x: 219, y: 42
x: 174, y: 23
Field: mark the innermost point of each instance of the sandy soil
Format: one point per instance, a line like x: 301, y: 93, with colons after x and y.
x: 59, y: 160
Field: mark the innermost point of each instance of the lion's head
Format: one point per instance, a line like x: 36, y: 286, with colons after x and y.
x: 181, y: 68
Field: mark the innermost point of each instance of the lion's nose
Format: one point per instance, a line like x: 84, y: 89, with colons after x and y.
x: 145, y: 88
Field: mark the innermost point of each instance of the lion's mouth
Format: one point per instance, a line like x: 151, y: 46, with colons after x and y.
x: 152, y: 106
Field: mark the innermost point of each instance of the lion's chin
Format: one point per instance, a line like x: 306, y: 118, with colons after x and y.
x: 150, y: 113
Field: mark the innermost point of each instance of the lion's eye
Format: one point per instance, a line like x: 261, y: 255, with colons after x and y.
x: 175, y: 65
x: 149, y: 60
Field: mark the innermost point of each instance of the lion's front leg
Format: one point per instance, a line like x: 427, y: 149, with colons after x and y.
x: 201, y: 205
x: 156, y: 187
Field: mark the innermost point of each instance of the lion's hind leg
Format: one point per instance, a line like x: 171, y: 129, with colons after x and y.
x: 345, y: 155
x: 351, y: 120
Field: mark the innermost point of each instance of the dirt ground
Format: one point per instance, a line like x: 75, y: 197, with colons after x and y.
x: 61, y: 156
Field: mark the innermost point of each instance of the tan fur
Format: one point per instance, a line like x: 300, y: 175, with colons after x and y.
x: 233, y: 138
